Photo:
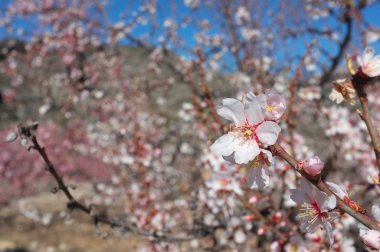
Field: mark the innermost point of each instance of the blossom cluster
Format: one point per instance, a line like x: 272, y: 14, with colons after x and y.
x: 255, y: 128
x: 156, y: 156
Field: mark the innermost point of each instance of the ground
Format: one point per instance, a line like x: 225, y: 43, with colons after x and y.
x: 21, y: 233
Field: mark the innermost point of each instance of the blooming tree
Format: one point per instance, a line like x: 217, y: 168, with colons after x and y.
x: 132, y: 107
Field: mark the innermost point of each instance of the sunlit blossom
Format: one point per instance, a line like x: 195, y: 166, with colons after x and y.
x: 258, y: 174
x: 369, y: 63
x: 250, y: 132
x: 316, y: 208
x: 273, y: 105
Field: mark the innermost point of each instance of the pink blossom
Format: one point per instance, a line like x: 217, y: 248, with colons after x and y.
x: 258, y: 174
x: 68, y: 59
x: 273, y: 105
x: 371, y: 238
x: 337, y: 190
x: 313, y: 166
x: 250, y: 133
x: 315, y: 209
x: 369, y: 63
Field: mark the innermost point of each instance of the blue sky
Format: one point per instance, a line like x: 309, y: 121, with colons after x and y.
x: 370, y: 15
x: 175, y: 9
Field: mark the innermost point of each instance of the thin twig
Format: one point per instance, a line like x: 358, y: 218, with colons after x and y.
x: 321, y: 185
x: 112, y: 222
x: 365, y: 116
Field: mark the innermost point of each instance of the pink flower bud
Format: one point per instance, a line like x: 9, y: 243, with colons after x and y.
x: 313, y: 166
x: 372, y: 239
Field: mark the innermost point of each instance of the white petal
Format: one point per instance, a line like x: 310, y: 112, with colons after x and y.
x: 11, y: 137
x: 376, y: 212
x: 268, y: 155
x: 225, y: 145
x: 368, y: 53
x: 362, y: 229
x: 374, y: 67
x: 232, y: 110
x: 250, y: 96
x: 268, y: 132
x: 359, y: 60
x: 337, y: 190
x: 246, y: 151
x: 253, y: 111
x: 263, y: 99
x: 307, y: 226
x: 240, y: 236
x: 329, y: 204
x: 298, y: 196
x: 307, y: 188
x: 328, y: 228
x: 376, y: 60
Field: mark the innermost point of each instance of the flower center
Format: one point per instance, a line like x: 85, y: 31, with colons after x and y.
x: 247, y: 131
x: 270, y: 108
x: 293, y: 248
x: 311, y: 212
x: 259, y: 161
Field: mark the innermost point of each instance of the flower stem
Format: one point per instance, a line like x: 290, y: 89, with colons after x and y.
x: 321, y: 185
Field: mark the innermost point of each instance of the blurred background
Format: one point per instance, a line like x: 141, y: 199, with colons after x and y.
x: 125, y: 93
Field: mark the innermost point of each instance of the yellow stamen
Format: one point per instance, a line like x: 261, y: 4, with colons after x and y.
x: 257, y: 162
x: 247, y: 133
x: 308, y: 212
x: 269, y: 108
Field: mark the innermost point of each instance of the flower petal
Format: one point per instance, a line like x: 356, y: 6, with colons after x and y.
x: 308, y: 189
x: 329, y: 203
x: 257, y: 178
x: 362, y: 229
x: 308, y: 226
x: 253, y: 111
x: 246, y: 151
x: 368, y: 54
x: 225, y: 145
x: 262, y: 99
x: 375, y: 210
x: 298, y: 196
x: 278, y: 105
x: 268, y: 155
x: 328, y: 229
x: 268, y: 132
x: 232, y: 110
x: 250, y: 96
x: 337, y: 190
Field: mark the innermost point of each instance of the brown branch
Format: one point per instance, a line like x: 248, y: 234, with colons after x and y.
x: 291, y: 114
x: 360, y: 85
x: 113, y: 222
x: 342, y: 47
x: 321, y: 185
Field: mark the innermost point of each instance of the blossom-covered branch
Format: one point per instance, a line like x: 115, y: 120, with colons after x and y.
x: 367, y: 72
x: 321, y: 185
x: 252, y: 142
x: 29, y: 139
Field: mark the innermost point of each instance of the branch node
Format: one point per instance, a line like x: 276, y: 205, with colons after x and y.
x: 54, y: 190
x: 360, y: 113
